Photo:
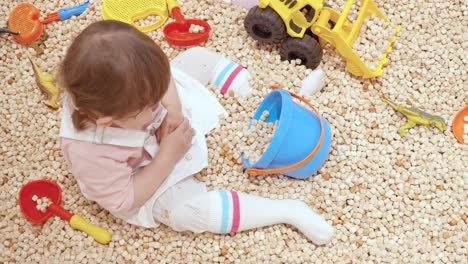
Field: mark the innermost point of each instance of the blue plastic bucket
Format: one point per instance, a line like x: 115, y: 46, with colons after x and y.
x: 298, y: 135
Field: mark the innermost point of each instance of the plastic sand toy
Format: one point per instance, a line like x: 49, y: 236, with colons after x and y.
x: 416, y: 117
x: 179, y: 33
x: 301, y: 142
x: 49, y: 191
x: 303, y: 27
x: 47, y: 85
x: 25, y: 20
x: 66, y: 13
x: 460, y: 125
x: 130, y: 11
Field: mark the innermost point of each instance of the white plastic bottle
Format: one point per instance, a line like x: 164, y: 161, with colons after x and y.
x: 313, y: 83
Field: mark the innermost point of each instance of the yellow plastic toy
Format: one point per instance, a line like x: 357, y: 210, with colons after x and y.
x: 273, y: 20
x: 47, y: 85
x: 130, y: 11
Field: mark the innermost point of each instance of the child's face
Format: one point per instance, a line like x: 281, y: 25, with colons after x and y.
x: 139, y: 120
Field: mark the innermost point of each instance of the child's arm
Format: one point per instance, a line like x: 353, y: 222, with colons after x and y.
x: 172, y: 148
x: 174, y: 116
x: 148, y: 180
x: 171, y: 99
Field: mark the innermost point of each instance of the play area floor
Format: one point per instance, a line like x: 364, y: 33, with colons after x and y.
x: 390, y: 199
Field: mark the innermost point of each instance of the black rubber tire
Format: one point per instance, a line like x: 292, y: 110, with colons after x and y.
x: 307, y: 49
x: 265, y: 25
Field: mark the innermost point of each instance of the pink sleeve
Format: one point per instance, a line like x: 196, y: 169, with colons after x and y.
x: 104, y: 172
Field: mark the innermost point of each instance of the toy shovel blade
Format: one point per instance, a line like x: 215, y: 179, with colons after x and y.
x: 52, y: 190
x: 39, y: 188
x: 178, y: 32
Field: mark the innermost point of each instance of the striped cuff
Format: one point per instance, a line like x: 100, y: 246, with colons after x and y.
x: 230, y: 218
x: 225, y: 73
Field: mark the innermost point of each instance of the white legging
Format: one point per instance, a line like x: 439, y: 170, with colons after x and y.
x: 187, y: 206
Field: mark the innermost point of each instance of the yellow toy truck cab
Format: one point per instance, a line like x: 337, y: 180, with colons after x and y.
x: 297, y: 15
x: 303, y: 26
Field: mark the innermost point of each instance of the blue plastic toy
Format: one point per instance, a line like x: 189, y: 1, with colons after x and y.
x: 66, y: 13
x: 302, y: 140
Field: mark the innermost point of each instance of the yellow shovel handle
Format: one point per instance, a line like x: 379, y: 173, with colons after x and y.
x: 172, y: 4
x: 99, y: 234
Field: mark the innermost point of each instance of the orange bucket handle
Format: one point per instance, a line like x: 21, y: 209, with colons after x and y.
x: 255, y: 172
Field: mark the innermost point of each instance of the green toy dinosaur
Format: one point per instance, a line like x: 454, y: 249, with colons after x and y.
x: 416, y: 117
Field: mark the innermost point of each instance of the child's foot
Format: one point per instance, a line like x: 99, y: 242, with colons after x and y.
x: 310, y: 223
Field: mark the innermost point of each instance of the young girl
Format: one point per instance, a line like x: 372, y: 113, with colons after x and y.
x: 133, y: 133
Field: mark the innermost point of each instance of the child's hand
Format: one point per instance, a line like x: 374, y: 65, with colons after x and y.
x: 170, y: 123
x: 176, y: 143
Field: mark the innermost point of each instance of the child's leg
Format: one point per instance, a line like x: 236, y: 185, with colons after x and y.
x: 232, y: 211
x: 207, y: 67
x: 198, y: 62
x: 223, y: 211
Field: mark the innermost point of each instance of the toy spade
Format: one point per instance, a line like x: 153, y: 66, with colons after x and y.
x: 53, y: 192
x: 178, y: 33
x: 25, y: 21
x: 66, y: 13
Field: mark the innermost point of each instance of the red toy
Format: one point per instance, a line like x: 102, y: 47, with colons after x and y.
x: 53, y: 192
x: 178, y: 33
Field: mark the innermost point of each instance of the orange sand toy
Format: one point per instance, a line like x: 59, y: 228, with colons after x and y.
x: 25, y: 19
x: 459, y: 123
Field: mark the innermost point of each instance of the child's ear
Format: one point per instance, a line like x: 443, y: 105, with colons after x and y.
x: 104, y: 121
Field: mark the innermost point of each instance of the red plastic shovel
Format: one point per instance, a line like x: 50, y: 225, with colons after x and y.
x: 52, y: 191
x: 178, y: 33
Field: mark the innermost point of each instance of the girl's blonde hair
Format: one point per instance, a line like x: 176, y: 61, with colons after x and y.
x: 113, y: 69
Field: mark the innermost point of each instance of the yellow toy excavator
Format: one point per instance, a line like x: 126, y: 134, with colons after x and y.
x: 304, y: 26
